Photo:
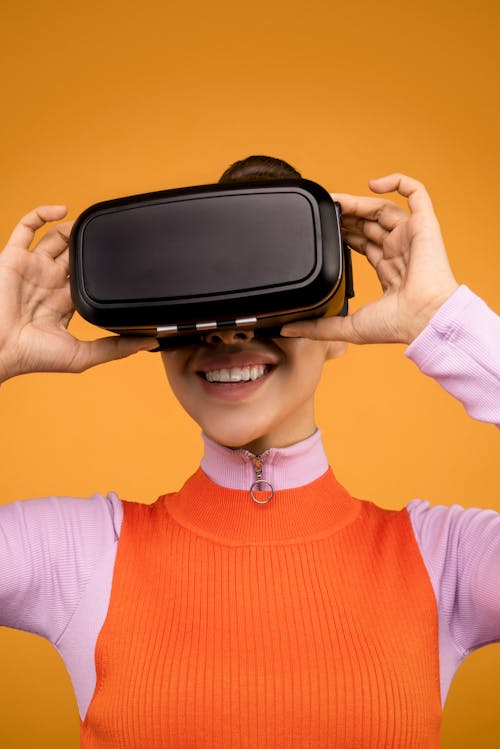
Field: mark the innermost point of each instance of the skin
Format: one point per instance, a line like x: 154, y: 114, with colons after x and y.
x: 276, y: 411
x: 36, y: 307
x: 406, y: 251
x: 408, y: 254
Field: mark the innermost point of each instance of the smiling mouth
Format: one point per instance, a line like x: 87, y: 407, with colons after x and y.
x: 237, y: 374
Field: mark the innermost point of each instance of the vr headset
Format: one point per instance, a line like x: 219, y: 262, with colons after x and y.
x: 178, y: 264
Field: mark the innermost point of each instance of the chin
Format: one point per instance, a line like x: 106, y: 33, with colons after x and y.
x: 234, y: 425
x: 231, y: 438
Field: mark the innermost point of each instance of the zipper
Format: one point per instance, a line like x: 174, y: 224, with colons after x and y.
x: 260, y: 484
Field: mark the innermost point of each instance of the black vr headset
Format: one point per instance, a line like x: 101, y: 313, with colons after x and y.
x: 178, y: 264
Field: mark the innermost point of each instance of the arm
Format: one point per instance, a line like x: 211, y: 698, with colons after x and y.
x: 49, y: 549
x: 56, y: 560
x: 461, y: 551
x: 460, y: 349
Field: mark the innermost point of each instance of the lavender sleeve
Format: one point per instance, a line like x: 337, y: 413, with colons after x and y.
x: 461, y: 551
x: 56, y: 560
x: 49, y: 549
x: 460, y: 348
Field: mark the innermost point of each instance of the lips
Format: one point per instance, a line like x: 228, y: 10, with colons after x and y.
x: 217, y: 371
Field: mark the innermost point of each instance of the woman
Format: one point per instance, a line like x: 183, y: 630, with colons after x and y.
x: 224, y: 616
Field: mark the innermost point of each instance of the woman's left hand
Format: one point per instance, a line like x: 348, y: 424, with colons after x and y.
x: 409, y: 257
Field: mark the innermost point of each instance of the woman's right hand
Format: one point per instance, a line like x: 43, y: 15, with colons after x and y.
x: 36, y: 306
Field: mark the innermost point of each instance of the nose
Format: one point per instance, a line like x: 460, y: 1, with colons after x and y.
x: 231, y: 335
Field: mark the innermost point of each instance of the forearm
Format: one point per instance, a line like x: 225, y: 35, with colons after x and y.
x: 460, y: 348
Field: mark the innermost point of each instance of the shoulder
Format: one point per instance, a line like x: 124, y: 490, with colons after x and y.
x: 452, y: 539
x: 50, y: 548
x: 99, y: 516
x: 461, y: 549
x: 133, y: 511
x: 441, y: 524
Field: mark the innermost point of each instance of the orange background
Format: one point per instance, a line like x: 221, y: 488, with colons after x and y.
x: 107, y: 99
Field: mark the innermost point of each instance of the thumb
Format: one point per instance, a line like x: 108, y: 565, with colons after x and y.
x: 324, y: 329
x: 109, y: 348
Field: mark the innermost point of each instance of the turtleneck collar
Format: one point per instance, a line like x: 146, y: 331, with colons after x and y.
x: 229, y: 516
x: 307, y: 502
x: 283, y: 468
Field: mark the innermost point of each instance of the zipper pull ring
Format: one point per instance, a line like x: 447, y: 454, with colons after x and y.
x: 260, y: 485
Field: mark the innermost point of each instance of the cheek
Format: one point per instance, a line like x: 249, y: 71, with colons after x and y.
x: 174, y: 364
x: 296, y: 380
x: 305, y: 361
x: 302, y: 382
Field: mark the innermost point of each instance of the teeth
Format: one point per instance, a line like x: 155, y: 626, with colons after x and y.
x: 237, y: 374
x: 257, y: 371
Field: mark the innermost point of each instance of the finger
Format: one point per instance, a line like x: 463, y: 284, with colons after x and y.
x: 388, y: 270
x: 364, y: 246
x: 365, y: 228
x: 102, y: 350
x: 63, y: 260
x: 387, y: 213
x: 419, y: 200
x: 23, y: 234
x: 55, y: 240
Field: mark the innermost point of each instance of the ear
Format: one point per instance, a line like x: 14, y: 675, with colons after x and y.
x: 335, y: 349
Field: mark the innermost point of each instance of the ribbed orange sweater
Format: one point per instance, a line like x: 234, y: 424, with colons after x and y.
x: 306, y: 622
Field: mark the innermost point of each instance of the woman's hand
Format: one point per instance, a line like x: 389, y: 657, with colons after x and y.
x: 36, y: 307
x: 408, y: 254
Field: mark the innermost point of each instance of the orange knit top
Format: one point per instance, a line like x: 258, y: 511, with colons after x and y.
x: 309, y: 621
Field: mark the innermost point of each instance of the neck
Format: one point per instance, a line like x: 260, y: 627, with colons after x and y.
x: 258, y: 446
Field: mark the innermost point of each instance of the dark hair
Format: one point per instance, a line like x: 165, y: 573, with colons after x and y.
x: 257, y: 168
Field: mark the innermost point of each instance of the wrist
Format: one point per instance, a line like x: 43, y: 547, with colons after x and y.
x: 419, y: 320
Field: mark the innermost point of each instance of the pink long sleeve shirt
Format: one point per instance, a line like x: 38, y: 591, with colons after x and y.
x: 57, y: 554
